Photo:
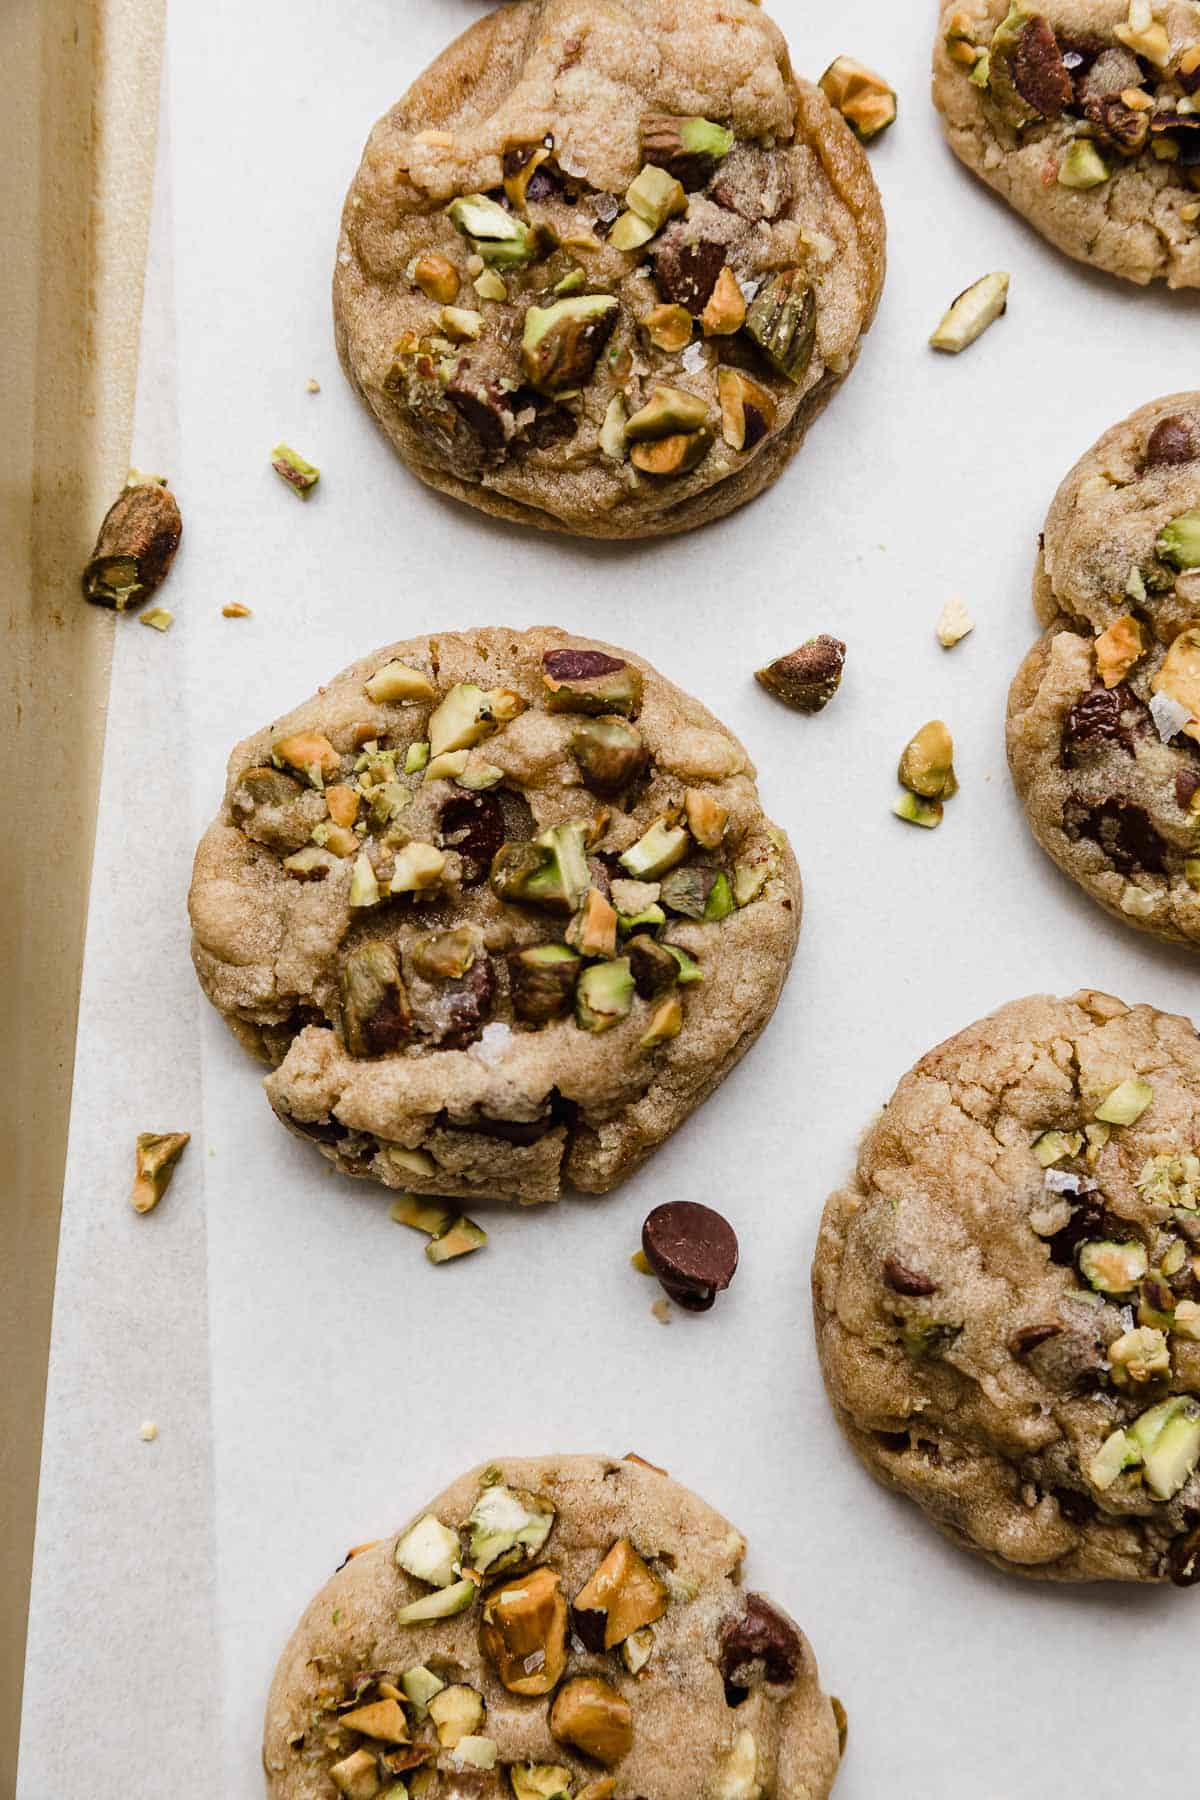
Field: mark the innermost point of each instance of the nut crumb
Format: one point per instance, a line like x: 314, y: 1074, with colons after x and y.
x: 638, y: 1259
x: 662, y: 1310
x: 157, y: 1155
x: 158, y: 618
x: 954, y: 624
x: 149, y: 1431
x: 235, y: 610
x: 312, y: 385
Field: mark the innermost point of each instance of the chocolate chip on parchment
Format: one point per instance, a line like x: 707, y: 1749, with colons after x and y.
x: 907, y: 1281
x: 692, y: 1250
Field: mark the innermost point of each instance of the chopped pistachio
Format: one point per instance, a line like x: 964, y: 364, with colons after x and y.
x: 915, y: 811
x: 782, y: 322
x: 1053, y: 1146
x: 613, y: 440
x: 416, y: 1163
x: 678, y: 454
x: 927, y: 763
x: 657, y: 850
x: 447, y: 767
x: 418, y: 868
x: 302, y: 477
x: 725, y: 311
x: 158, y: 618
x: 508, y: 1527
x: 1113, y: 1268
x: 668, y: 411
x: 364, y: 888
x: 864, y: 99
x: 1145, y: 35
x: 416, y: 757
x: 1139, y: 1356
x: 490, y: 285
x: 428, y: 1216
x: 688, y: 148
x: 444, y: 1603
x: 1118, y: 648
x: 749, y: 880
x: 603, y: 995
x: 668, y: 327
x: 310, y: 864
x: 1083, y: 166
x: 436, y: 277
x: 630, y: 232
x: 460, y: 324
x: 1126, y: 1103
x: 954, y: 623
x: 156, y: 1156
x: 969, y: 316
x: 135, y: 546
x: 1117, y: 1453
x: 499, y: 237
x: 420, y: 1685
x: 1179, y: 542
x: 666, y: 1022
x: 561, y: 343
x: 459, y: 1239
x: 655, y: 196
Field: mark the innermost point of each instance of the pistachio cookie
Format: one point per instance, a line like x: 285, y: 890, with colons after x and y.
x: 501, y: 907
x: 602, y: 266
x: 1007, y: 1294
x: 558, y: 1628
x: 1104, y: 714
x: 1082, y: 115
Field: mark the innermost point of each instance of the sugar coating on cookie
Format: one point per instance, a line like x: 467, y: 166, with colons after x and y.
x: 1104, y: 714
x: 1081, y: 114
x: 551, y: 1626
x: 501, y: 908
x: 601, y: 266
x: 1007, y: 1293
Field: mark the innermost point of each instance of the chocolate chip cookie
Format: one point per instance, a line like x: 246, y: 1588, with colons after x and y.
x: 1083, y: 115
x: 602, y: 266
x: 563, y: 1627
x: 1104, y: 714
x: 500, y: 907
x: 1007, y: 1294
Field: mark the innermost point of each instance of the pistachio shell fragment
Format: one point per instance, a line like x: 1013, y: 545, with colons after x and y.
x: 969, y: 316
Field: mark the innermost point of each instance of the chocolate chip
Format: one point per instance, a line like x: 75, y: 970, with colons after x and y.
x: 1088, y: 1220
x: 550, y: 425
x: 907, y: 1281
x: 484, y: 410
x: 1183, y: 1559
x: 1186, y: 783
x: 473, y: 825
x: 589, y: 1627
x: 687, y: 273
x: 453, y: 1015
x: 1171, y: 442
x: 692, y: 1250
x: 1097, y: 718
x: 1078, y: 1508
x: 760, y: 1646
x: 1122, y: 830
x: 1028, y: 1337
x: 1122, y: 126
x: 580, y: 665
x: 1039, y: 74
x: 508, y: 1131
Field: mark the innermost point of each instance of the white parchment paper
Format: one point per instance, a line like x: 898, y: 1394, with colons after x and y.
x: 313, y: 1379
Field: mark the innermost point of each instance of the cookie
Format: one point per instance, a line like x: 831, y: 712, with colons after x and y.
x: 602, y: 266
x: 1104, y: 713
x: 1007, y: 1294
x: 568, y: 1627
x: 1080, y: 114
x: 500, y: 907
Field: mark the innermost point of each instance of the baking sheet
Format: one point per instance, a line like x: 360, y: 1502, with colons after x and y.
x: 312, y: 1378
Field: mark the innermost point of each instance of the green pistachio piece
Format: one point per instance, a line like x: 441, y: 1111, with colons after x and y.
x: 1126, y: 1104
x: 697, y: 893
x: 156, y: 1155
x: 1112, y: 1268
x: 969, y: 316
x: 376, y: 1016
x: 668, y: 411
x: 917, y: 811
x: 687, y: 148
x: 430, y: 1551
x: 613, y: 440
x: 415, y: 758
x: 396, y: 681
x: 927, y: 763
x: 542, y: 982
x: 689, y: 968
x: 630, y: 232
x: 459, y: 1239
x: 610, y: 753
x: 428, y: 1216
x: 1179, y: 542
x: 550, y: 871
x: 1082, y: 166
x: 782, y: 322
x: 655, y: 196
x: 443, y: 1604
x: 420, y: 1685
x: 499, y: 237
x: 508, y: 1527
x: 1117, y: 1453
x: 364, y: 888
x: 561, y: 343
x: 446, y: 955
x: 656, y: 851
x: 1053, y: 1146
x: 604, y: 995
x: 302, y: 477
x: 490, y: 286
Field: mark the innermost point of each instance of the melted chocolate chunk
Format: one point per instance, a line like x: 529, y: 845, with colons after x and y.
x: 1122, y: 830
x: 1096, y: 719
x: 1173, y: 441
x: 473, y: 825
x: 456, y: 1012
x: 580, y: 665
x: 1039, y: 74
x: 761, y: 1645
x: 1186, y: 782
x: 484, y: 410
x: 687, y: 273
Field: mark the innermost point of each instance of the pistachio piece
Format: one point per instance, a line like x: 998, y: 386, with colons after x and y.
x: 135, y: 547
x: 591, y: 681
x: 542, y: 982
x: 927, y: 763
x: 1083, y: 166
x: 657, y: 850
x: 561, y: 343
x: 968, y: 317
x: 593, y: 929
x: 382, y: 1719
x: 864, y: 99
x: 343, y: 804
x: 603, y: 995
x: 1055, y: 1146
x: 157, y: 1153
x: 1112, y: 1268
x: 676, y: 455
x: 612, y: 432
x: 1119, y: 648
x: 508, y: 1527
x: 335, y: 838
x: 1145, y: 35
x: 158, y: 618
x: 310, y: 864
x: 807, y: 678
x: 420, y: 1685
x: 446, y: 767
x: 725, y: 310
x: 464, y: 718
x: 668, y: 327
x: 356, y: 1777
x: 736, y: 1775
x: 1168, y: 1439
x: 457, y: 1713
x: 610, y: 754
x: 591, y: 1716
x: 431, y: 1552
x: 782, y: 322
x: 416, y: 757
x: 626, y: 1594
x: 498, y: 237
x: 915, y: 811
x: 524, y: 1632
x: 747, y: 410
x: 418, y: 867
x: 687, y: 148
x: 954, y: 624
x: 666, y: 1022
x: 550, y: 871
x: 655, y: 196
x: 1139, y: 1356
x: 310, y: 753
x: 364, y: 888
x: 706, y: 818
x: 1117, y: 1453
x: 421, y: 1215
x: 1127, y: 1102
x: 460, y: 1238
x: 630, y: 232
x: 668, y: 411
x: 446, y: 955
x: 437, y: 278
x: 652, y: 965
x: 376, y: 1017
x: 460, y: 324
x: 637, y: 1650
x: 689, y: 968
x: 540, y: 1781
x: 1179, y: 542
x: 301, y: 476
x: 444, y: 1603
x: 490, y: 285
x: 698, y: 893
x: 1026, y: 72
